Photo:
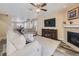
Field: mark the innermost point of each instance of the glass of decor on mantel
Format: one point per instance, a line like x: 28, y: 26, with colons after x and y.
x: 64, y: 22
x: 71, y: 22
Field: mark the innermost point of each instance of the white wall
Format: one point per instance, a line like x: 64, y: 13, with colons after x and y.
x: 59, y: 20
x: 4, y: 23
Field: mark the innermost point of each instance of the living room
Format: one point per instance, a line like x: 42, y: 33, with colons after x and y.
x: 49, y: 30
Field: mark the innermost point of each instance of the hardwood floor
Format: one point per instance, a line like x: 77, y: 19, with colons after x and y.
x: 65, y: 52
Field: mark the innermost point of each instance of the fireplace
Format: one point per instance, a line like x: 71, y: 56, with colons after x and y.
x: 73, y: 38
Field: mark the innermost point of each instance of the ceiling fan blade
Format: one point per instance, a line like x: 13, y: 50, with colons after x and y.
x: 44, y: 4
x: 44, y: 9
x: 33, y: 4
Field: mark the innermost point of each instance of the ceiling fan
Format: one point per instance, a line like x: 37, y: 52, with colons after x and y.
x: 39, y: 6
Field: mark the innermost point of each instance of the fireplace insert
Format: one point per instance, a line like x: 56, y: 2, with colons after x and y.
x: 73, y: 38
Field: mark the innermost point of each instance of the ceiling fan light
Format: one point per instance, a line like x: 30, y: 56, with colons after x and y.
x: 38, y: 10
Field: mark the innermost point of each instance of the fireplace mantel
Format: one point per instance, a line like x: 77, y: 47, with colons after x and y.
x: 71, y: 26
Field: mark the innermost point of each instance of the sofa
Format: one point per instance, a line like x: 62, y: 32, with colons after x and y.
x: 31, y: 49
x: 40, y: 46
x: 16, y: 46
x: 48, y: 46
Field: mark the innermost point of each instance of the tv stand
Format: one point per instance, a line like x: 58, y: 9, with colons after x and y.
x: 50, y: 33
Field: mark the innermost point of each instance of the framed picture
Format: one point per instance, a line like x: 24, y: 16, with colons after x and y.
x: 73, y: 14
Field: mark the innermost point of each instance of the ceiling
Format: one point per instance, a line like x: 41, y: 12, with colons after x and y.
x: 23, y: 11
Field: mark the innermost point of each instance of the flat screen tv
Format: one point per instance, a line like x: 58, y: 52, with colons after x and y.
x: 50, y: 22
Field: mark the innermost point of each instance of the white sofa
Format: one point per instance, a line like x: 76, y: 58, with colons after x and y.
x: 41, y: 46
x: 48, y: 46
x: 31, y: 49
x: 16, y: 46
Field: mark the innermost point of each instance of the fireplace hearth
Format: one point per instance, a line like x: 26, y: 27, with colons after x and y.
x: 73, y: 38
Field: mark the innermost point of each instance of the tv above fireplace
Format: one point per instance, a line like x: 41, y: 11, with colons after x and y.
x: 50, y: 22
x: 73, y: 38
